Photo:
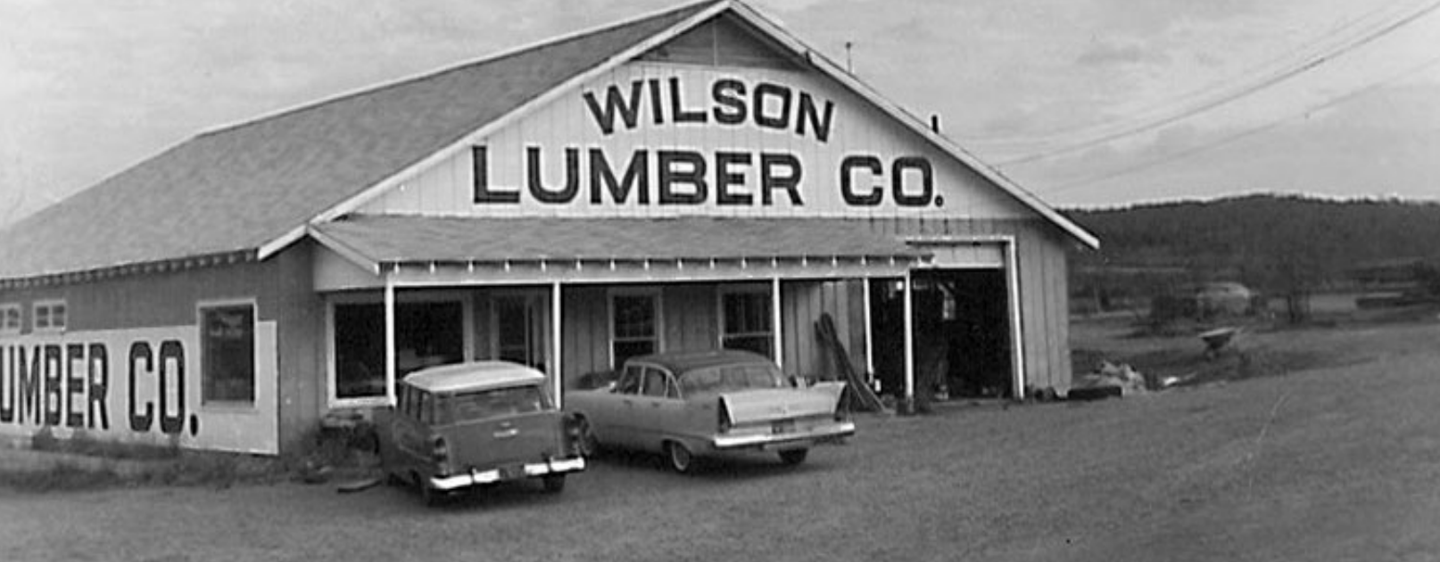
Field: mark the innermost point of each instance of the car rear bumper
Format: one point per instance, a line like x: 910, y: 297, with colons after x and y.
x: 499, y: 474
x: 827, y: 433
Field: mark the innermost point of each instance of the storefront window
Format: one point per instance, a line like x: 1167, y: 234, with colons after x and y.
x: 426, y: 334
x: 634, y: 326
x: 745, y: 322
x: 228, y: 348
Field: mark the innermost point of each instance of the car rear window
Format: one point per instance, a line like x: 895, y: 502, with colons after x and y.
x: 729, y: 379
x: 479, y: 405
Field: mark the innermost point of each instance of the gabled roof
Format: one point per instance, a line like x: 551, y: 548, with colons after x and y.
x: 254, y: 187
x: 239, y: 188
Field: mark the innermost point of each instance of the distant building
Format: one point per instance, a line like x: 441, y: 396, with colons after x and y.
x: 697, y: 178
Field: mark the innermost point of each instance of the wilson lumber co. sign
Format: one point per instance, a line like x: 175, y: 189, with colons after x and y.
x: 667, y: 137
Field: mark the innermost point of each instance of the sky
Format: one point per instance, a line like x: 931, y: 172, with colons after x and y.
x: 1086, y: 103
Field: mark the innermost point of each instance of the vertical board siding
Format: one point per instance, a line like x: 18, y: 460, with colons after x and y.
x: 282, y: 289
x: 483, y: 338
x: 796, y: 335
x: 299, y: 315
x: 804, y: 303
x: 855, y: 294
x: 585, y: 334
x: 691, y: 322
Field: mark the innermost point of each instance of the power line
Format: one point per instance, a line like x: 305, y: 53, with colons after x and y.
x: 1277, y: 78
x: 1308, y: 50
x: 1241, y: 135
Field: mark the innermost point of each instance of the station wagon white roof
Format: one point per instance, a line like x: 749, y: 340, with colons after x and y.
x: 475, y: 375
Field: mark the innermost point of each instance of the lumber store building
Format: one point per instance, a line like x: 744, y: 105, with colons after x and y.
x: 692, y: 179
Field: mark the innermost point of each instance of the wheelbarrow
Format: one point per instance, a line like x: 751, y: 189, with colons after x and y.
x: 1216, y: 340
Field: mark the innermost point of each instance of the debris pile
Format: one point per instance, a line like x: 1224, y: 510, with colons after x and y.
x: 1109, y: 380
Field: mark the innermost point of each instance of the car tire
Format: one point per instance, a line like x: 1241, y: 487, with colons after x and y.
x: 587, y: 442
x: 679, y: 457
x: 554, y: 483
x: 431, y: 496
x: 794, y: 457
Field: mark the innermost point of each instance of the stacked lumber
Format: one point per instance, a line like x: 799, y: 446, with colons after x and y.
x: 861, y: 396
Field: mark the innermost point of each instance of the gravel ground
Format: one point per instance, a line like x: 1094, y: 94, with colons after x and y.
x: 1329, y: 464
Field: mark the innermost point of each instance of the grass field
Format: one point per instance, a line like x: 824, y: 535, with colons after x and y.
x: 1333, y: 462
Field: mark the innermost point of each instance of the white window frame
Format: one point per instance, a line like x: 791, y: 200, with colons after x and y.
x: 49, y: 307
x: 5, y: 308
x: 467, y: 314
x: 656, y: 296
x: 492, y: 322
x: 229, y: 405
x: 727, y: 290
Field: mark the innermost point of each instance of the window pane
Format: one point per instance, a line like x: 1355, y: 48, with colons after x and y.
x: 729, y: 379
x: 229, y: 353
x: 624, y: 350
x: 488, y: 404
x: 756, y: 344
x: 630, y: 381
x: 747, y: 313
x: 634, y: 317
x: 654, y: 382
x: 42, y: 317
x: 57, y: 316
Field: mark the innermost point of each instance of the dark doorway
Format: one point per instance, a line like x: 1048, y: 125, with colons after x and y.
x: 962, y: 334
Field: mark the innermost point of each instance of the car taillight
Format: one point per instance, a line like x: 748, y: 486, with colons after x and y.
x: 570, y: 438
x: 722, y: 415
x: 440, y: 451
x: 572, y: 427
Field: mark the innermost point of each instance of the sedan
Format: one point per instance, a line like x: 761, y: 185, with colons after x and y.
x: 695, y: 404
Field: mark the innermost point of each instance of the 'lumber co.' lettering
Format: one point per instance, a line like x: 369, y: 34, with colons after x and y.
x: 70, y: 385
x: 675, y: 176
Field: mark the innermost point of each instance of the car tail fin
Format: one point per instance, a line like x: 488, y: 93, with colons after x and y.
x: 722, y: 415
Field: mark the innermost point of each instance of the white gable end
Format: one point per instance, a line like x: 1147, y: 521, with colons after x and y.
x: 656, y: 139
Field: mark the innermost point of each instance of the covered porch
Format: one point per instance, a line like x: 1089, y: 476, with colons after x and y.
x: 576, y: 297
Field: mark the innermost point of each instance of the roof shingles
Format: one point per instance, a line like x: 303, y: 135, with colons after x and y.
x: 237, y: 188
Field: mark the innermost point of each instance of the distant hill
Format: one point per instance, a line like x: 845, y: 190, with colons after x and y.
x: 1267, y: 241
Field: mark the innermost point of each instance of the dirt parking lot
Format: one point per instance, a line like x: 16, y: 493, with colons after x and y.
x: 1327, y: 464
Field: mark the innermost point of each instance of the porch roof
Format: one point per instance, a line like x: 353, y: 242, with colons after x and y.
x: 376, y: 241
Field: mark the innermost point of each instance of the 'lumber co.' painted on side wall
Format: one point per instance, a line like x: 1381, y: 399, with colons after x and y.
x: 139, y: 386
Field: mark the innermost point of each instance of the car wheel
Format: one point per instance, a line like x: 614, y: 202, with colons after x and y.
x: 793, y: 457
x: 554, y: 483
x: 678, y: 454
x: 588, y: 444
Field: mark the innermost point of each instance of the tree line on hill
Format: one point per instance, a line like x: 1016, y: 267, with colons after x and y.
x: 1284, y: 245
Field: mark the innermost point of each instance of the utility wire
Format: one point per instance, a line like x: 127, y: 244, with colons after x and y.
x: 1315, y: 62
x: 1307, y: 51
x: 1241, y: 135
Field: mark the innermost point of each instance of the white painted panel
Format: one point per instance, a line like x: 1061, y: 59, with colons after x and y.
x: 854, y: 130
x: 967, y: 255
x: 97, y: 383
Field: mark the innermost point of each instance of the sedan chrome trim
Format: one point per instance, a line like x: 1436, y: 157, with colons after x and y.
x: 553, y: 466
x: 827, y: 432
